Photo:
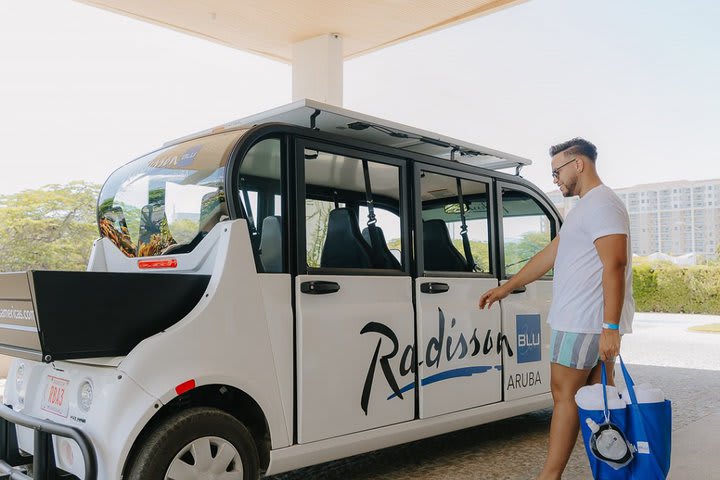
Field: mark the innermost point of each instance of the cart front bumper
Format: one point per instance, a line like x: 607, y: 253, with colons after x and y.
x: 43, y: 460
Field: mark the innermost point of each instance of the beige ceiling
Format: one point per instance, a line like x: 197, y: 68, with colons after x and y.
x: 271, y: 27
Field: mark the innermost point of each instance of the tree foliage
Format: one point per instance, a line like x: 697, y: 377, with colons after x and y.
x: 50, y: 228
x: 664, y: 287
x: 518, y: 253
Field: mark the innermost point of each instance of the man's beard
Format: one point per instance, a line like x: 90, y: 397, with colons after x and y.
x: 570, y: 189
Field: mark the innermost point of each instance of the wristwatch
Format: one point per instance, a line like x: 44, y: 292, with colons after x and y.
x: 611, y: 326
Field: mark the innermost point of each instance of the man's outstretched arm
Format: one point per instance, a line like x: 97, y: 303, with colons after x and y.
x: 538, y: 266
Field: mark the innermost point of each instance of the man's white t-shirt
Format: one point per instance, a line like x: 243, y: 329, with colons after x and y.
x: 577, y: 304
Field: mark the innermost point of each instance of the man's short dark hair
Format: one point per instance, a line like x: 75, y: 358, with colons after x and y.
x: 576, y: 146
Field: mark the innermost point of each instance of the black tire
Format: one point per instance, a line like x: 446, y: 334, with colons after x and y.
x: 154, y: 454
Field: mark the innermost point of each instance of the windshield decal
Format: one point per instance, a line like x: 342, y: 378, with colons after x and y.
x: 175, y: 160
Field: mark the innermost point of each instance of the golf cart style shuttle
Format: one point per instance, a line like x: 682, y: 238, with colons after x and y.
x: 295, y: 287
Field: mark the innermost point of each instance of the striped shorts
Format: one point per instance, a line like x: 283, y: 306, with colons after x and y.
x: 575, y: 350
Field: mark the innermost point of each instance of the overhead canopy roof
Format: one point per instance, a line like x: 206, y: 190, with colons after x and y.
x: 271, y: 27
x: 340, y: 121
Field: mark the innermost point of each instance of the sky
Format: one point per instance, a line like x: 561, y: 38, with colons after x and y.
x: 83, y: 91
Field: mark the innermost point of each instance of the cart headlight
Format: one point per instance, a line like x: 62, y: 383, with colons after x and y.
x: 20, y: 384
x: 20, y: 377
x: 85, y: 395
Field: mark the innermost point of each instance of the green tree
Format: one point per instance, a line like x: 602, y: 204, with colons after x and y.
x: 50, y: 228
x: 479, y: 252
x: 518, y: 253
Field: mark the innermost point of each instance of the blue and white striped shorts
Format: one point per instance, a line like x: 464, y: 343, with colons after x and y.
x: 575, y: 350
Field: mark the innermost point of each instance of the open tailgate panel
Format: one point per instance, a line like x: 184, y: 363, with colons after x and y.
x: 58, y: 315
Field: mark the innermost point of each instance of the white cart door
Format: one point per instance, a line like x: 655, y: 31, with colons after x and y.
x: 351, y: 342
x: 354, y: 311
x: 524, y: 315
x: 459, y: 346
x: 527, y: 225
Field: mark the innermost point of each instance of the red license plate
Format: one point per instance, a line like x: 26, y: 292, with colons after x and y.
x: 55, y: 400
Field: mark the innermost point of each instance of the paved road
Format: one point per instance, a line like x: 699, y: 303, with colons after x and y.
x: 686, y: 365
x: 664, y: 340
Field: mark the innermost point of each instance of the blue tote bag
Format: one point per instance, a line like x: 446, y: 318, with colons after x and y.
x: 645, y: 427
x: 649, y: 428
x: 590, y: 422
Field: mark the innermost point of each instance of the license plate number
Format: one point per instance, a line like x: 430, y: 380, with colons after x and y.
x: 54, y: 400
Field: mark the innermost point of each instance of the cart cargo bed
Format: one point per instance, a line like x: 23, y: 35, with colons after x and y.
x: 57, y: 315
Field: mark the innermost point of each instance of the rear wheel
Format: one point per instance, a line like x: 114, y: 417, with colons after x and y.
x: 197, y: 444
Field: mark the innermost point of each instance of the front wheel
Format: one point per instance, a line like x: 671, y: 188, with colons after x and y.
x: 197, y: 444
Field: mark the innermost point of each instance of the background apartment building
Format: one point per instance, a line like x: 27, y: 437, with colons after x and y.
x: 674, y: 218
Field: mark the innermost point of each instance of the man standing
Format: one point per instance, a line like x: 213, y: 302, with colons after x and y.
x: 592, y: 303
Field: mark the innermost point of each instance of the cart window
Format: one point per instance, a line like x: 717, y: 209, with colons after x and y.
x: 527, y: 229
x: 260, y: 193
x: 444, y: 248
x: 342, y: 232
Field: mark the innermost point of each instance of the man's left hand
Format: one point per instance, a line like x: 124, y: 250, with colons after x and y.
x: 609, y: 344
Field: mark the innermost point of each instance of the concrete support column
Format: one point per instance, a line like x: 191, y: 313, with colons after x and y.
x: 317, y: 69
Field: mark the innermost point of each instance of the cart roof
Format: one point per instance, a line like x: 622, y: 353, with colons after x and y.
x: 347, y: 123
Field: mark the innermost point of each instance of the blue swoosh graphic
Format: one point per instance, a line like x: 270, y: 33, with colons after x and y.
x: 439, y: 377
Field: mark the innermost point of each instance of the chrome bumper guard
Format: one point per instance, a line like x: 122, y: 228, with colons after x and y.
x: 43, y: 460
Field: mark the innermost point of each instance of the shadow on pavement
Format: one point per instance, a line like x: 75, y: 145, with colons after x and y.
x: 507, y: 449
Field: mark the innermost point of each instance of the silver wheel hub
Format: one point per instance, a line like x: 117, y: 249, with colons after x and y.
x: 206, y: 458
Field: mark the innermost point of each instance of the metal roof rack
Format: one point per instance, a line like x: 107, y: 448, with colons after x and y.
x: 337, y: 120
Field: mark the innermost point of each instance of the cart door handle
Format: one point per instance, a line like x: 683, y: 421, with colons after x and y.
x: 519, y: 290
x: 434, y: 287
x: 319, y: 287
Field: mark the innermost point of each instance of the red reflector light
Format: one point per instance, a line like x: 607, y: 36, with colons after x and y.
x: 168, y: 263
x: 185, y: 386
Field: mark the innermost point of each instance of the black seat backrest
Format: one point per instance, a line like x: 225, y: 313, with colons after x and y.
x: 344, y: 245
x: 271, y: 245
x: 439, y: 252
x: 382, y: 256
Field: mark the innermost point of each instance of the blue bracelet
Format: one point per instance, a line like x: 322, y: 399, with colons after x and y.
x: 611, y: 326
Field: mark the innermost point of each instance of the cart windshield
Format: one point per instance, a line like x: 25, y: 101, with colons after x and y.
x: 166, y: 201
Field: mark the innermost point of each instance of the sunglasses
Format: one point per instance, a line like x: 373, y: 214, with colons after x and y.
x: 556, y: 172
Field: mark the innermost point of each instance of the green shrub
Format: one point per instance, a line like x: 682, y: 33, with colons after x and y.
x: 668, y: 288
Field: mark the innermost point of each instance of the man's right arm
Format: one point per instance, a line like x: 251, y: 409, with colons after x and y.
x: 536, y: 267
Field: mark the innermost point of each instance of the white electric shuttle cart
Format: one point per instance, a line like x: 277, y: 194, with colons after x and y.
x: 291, y: 288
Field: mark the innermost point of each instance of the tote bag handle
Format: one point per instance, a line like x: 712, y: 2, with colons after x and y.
x: 604, y: 389
x: 628, y: 381
x: 637, y: 413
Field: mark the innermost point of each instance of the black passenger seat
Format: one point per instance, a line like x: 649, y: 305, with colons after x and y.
x: 439, y: 252
x: 345, y: 246
x: 381, y: 253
